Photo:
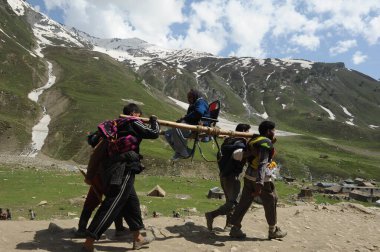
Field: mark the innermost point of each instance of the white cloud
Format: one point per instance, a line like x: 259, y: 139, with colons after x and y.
x: 251, y: 27
x: 310, y: 41
x: 350, y: 17
x: 359, y: 58
x: 343, y: 46
x: 373, y: 31
x: 249, y: 23
x: 206, y: 31
x: 149, y: 19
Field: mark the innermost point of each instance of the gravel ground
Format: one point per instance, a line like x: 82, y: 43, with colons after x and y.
x: 41, y: 162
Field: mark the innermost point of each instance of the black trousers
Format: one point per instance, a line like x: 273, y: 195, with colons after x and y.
x: 120, y: 200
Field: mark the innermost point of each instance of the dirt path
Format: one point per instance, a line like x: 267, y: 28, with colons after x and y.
x: 342, y: 227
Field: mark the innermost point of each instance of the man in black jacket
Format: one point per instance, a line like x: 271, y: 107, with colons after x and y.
x: 119, y: 176
x: 230, y: 167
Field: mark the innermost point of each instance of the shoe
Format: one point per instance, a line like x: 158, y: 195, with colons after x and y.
x: 178, y: 156
x: 228, y: 228
x: 84, y: 249
x: 209, y: 221
x: 80, y: 234
x: 276, y: 234
x: 139, y: 244
x: 121, y: 233
x: 237, y: 233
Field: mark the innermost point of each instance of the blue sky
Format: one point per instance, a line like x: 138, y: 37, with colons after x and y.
x: 318, y: 30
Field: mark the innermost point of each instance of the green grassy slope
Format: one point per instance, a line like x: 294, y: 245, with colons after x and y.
x: 301, y: 156
x: 20, y: 72
x: 95, y: 89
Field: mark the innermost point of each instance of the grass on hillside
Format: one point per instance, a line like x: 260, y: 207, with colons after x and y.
x: 22, y: 189
x: 302, y: 155
x: 20, y: 73
x: 95, y: 95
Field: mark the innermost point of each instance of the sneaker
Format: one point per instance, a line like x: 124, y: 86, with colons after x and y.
x: 228, y: 228
x: 84, y: 249
x: 121, y: 233
x: 209, y: 221
x: 237, y: 233
x: 139, y: 244
x: 276, y: 234
x: 80, y: 234
x: 178, y: 156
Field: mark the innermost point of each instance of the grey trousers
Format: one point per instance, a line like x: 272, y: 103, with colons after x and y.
x: 231, y: 188
x: 177, y: 139
x: 268, y: 197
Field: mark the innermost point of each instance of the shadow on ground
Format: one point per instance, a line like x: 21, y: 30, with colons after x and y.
x: 64, y: 240
x: 201, y: 235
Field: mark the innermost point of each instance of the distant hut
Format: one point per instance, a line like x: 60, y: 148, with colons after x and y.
x: 358, y: 181
x: 348, y: 181
x: 306, y: 193
x: 364, y: 196
x: 325, y: 184
x: 333, y: 189
x: 157, y: 191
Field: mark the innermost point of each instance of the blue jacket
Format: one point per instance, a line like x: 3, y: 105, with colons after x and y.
x: 196, y: 111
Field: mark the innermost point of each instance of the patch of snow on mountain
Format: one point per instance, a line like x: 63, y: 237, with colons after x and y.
x: 283, y: 86
x: 37, y: 92
x: 183, y: 105
x: 179, y: 71
x: 275, y: 62
x: 97, y: 58
x: 350, y: 122
x: 277, y: 98
x: 123, y: 55
x: 303, y: 63
x: 270, y: 75
x: 229, y: 63
x: 48, y: 28
x: 245, y: 62
x: 331, y: 115
x: 283, y: 106
x: 18, y: 6
x: 373, y: 126
x: 262, y: 91
x: 261, y: 62
x: 263, y: 115
x: 262, y: 103
x: 346, y: 111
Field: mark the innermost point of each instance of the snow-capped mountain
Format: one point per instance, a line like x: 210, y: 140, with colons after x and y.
x: 258, y: 88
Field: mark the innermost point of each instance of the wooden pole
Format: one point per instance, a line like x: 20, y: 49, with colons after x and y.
x: 197, y: 128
